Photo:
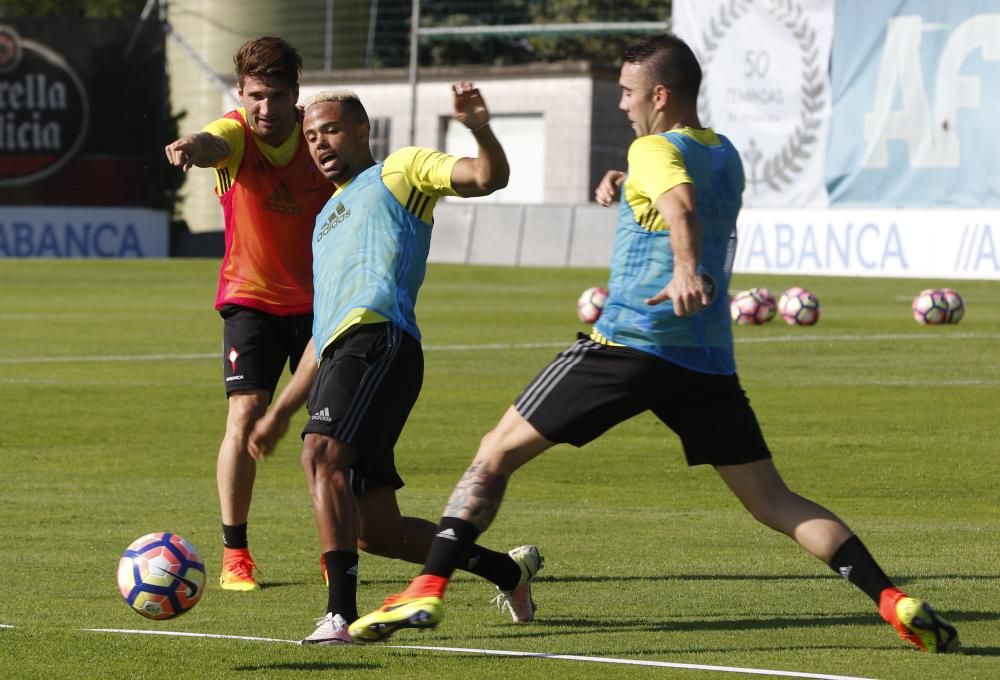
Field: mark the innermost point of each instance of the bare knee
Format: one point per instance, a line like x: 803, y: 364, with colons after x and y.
x: 326, y: 458
x: 386, y: 542
x: 497, y: 455
x: 765, y: 515
x: 771, y: 506
x: 245, y: 409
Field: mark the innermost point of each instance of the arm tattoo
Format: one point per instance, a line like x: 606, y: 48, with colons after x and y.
x: 477, y: 496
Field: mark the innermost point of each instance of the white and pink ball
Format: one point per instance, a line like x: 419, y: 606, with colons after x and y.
x: 590, y: 304
x: 752, y: 307
x: 799, y: 307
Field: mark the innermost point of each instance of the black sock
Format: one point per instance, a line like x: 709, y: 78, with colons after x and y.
x: 342, y: 572
x: 454, y: 539
x: 234, y: 536
x: 496, y: 567
x: 853, y: 561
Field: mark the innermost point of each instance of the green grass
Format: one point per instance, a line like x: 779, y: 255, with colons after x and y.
x: 892, y: 425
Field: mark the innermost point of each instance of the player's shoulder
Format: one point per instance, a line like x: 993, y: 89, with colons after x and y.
x: 706, y: 136
x: 651, y: 146
x: 647, y: 143
x: 409, y: 157
x: 420, y: 166
x: 227, y: 124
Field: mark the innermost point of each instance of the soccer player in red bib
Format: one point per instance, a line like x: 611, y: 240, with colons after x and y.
x: 270, y: 191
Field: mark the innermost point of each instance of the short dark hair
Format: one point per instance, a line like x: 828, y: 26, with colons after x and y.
x: 671, y: 63
x: 268, y: 57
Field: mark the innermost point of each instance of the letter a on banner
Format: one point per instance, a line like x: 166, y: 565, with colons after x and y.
x: 920, y: 79
x: 766, y: 87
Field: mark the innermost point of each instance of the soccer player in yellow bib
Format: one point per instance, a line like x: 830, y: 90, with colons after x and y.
x: 370, y: 246
x: 663, y: 343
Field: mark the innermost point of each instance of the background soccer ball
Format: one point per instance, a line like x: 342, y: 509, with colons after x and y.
x: 799, y: 307
x: 956, y: 306
x: 930, y: 307
x: 590, y: 304
x: 161, y: 575
x: 752, y: 307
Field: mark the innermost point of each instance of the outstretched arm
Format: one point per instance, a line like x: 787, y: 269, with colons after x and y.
x: 270, y: 428
x: 489, y: 171
x: 201, y: 149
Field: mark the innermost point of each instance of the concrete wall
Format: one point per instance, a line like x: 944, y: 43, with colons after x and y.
x: 523, y: 235
x: 563, y: 94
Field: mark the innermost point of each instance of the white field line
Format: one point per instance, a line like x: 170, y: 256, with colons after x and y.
x: 107, y: 358
x: 812, y: 337
x: 634, y: 662
x: 498, y: 652
x: 876, y: 337
x: 171, y: 633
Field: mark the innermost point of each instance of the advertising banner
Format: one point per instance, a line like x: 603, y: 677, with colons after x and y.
x: 765, y: 86
x: 104, y: 232
x: 948, y: 244
x: 898, y: 142
x: 83, y: 122
x: 916, y: 89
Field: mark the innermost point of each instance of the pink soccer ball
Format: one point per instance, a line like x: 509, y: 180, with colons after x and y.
x: 930, y: 307
x: 956, y: 305
x: 752, y: 307
x: 799, y: 307
x: 161, y: 576
x: 590, y: 304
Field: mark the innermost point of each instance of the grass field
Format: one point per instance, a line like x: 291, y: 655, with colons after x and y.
x: 112, y: 412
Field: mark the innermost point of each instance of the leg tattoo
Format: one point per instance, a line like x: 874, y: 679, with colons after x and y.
x: 477, y: 496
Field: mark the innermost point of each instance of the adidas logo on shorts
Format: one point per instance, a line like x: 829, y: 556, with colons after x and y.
x: 322, y: 414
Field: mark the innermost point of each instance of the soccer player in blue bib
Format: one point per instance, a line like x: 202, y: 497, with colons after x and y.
x: 369, y: 247
x: 663, y: 344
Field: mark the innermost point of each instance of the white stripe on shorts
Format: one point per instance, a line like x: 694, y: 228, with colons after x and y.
x: 543, y: 385
x: 369, y: 386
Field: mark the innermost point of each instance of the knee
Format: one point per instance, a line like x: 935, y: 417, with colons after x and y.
x: 495, y: 454
x: 764, y: 515
x: 774, y: 510
x: 382, y: 543
x: 509, y: 445
x: 323, y: 456
x: 243, y: 414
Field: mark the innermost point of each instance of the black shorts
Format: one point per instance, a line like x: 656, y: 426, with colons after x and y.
x: 367, y: 384
x: 590, y: 387
x: 256, y: 345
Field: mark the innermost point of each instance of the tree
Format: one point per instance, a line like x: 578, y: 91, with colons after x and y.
x: 601, y: 48
x: 392, y: 30
x: 97, y: 9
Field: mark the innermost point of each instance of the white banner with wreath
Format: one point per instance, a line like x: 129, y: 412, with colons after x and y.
x: 766, y: 86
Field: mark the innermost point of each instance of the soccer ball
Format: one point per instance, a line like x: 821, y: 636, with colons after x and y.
x: 752, y: 307
x: 799, y: 307
x: 590, y: 304
x: 956, y: 306
x: 768, y: 297
x: 161, y: 575
x: 931, y: 307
